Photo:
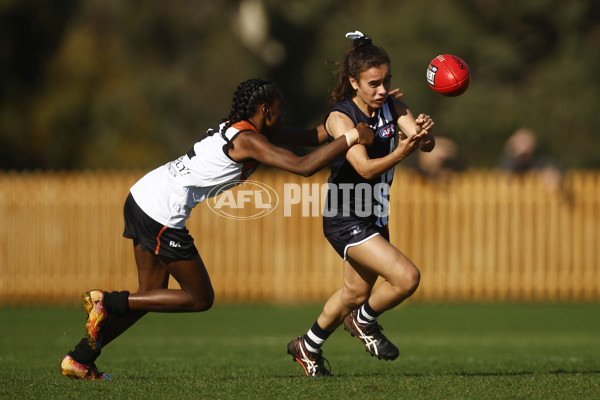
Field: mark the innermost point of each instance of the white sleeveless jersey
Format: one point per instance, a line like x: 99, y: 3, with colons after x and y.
x: 170, y: 192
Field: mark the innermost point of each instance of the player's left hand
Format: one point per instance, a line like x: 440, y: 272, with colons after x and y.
x: 396, y: 93
x: 424, y: 123
x: 424, y: 126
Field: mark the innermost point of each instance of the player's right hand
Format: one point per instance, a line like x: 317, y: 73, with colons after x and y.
x: 365, y: 134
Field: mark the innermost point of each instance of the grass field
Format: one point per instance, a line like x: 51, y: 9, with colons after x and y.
x: 239, y: 352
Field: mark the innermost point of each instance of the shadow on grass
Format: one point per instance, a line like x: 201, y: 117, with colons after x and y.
x: 467, y: 374
x: 243, y: 377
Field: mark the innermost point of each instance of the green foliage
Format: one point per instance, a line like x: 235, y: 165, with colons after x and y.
x: 239, y: 352
x: 102, y: 84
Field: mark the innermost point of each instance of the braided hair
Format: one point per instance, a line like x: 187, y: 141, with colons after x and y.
x: 362, y: 55
x: 248, y: 96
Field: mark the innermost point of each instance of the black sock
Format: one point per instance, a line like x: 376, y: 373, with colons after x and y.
x: 116, y: 302
x: 83, y: 353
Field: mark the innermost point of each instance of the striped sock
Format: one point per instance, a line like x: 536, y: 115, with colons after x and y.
x: 366, y: 315
x: 314, y: 338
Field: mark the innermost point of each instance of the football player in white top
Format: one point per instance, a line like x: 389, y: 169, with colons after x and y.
x: 160, y: 202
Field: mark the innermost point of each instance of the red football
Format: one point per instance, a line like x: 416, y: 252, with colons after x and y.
x: 448, y: 75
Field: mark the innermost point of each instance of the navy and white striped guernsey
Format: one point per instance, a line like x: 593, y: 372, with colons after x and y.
x: 351, y: 187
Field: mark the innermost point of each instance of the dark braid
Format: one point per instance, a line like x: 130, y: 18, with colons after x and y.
x: 362, y: 55
x: 248, y: 96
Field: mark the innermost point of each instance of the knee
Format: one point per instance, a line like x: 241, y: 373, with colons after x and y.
x: 202, y: 302
x: 352, y: 298
x: 413, y: 280
x: 408, y: 282
x: 207, y: 302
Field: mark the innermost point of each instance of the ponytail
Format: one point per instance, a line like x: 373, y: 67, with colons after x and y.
x: 362, y: 55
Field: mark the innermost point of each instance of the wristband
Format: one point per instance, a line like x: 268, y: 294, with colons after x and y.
x: 349, y: 141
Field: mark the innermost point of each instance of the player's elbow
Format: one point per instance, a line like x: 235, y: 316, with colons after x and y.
x: 369, y: 176
x: 366, y: 174
x: 306, y: 172
x: 307, y: 167
x: 364, y: 170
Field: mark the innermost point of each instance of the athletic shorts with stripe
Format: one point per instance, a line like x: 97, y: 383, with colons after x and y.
x: 174, y: 244
x: 345, y: 233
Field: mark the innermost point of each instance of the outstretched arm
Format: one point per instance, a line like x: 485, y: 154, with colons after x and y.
x: 311, y: 137
x: 252, y: 145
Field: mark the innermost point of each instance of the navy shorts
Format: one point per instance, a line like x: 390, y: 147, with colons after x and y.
x: 345, y: 233
x: 174, y: 244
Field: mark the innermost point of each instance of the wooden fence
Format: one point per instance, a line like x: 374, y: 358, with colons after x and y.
x: 482, y: 236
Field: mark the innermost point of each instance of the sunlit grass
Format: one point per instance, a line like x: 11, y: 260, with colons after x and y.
x: 239, y: 352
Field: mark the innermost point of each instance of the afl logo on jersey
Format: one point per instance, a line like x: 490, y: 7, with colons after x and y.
x: 387, y: 131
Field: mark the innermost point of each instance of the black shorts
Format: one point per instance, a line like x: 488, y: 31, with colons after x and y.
x: 174, y: 244
x: 345, y: 233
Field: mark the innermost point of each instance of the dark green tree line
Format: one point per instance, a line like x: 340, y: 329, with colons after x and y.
x: 124, y: 84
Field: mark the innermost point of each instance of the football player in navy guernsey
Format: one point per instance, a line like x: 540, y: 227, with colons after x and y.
x: 160, y: 202
x: 355, y: 218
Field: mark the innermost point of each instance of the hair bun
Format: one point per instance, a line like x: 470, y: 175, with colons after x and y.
x: 355, y: 35
x: 359, y: 38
